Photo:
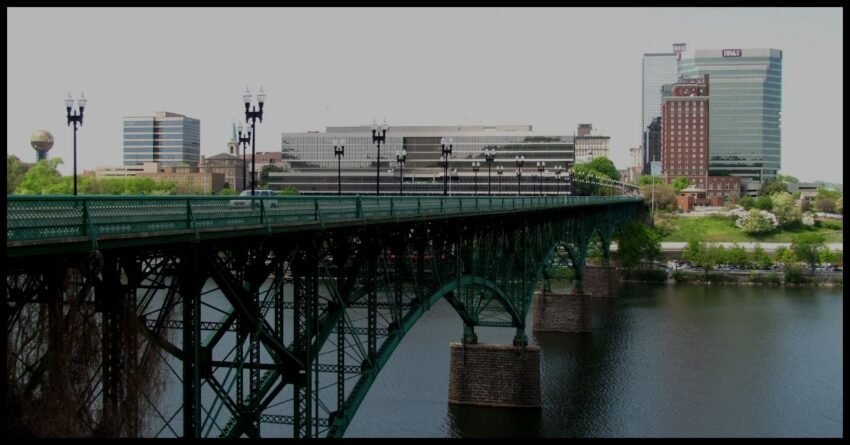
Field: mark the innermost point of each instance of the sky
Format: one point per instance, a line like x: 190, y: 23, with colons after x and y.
x: 552, y: 68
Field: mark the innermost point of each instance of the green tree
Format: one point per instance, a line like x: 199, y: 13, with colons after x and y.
x: 635, y: 242
x: 827, y: 256
x: 807, y: 247
x: 737, y: 256
x: 15, y: 172
x: 747, y: 202
x: 783, y: 207
x: 648, y: 180
x: 824, y: 192
x: 289, y: 190
x: 760, y: 258
x: 764, y: 202
x: 787, y: 179
x: 264, y: 173
x: 42, y: 179
x: 601, y: 166
x: 825, y: 205
x: 839, y: 204
x: 680, y: 184
x: 756, y: 223
x: 227, y: 191
x: 772, y: 186
x: 665, y: 196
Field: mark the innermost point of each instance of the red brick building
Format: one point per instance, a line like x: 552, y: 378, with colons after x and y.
x: 684, y: 132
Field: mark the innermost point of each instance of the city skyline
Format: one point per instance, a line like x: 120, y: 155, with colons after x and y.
x: 422, y: 66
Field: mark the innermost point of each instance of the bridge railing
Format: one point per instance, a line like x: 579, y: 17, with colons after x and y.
x: 55, y: 218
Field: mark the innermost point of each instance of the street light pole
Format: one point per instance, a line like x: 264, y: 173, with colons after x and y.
x: 489, y: 156
x: 557, y: 179
x: 540, y: 167
x: 447, y: 145
x: 476, y: 165
x: 520, y: 161
x: 378, y: 140
x: 244, y: 139
x: 339, y: 152
x: 77, y: 119
x: 252, y: 114
x: 400, y: 158
x: 499, y: 171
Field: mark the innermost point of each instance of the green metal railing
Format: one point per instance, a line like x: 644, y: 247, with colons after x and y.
x: 52, y: 218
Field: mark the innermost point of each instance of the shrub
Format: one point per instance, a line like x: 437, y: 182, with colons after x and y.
x: 794, y: 275
x: 682, y: 277
x: 771, y: 278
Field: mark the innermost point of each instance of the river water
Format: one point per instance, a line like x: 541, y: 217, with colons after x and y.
x: 662, y: 361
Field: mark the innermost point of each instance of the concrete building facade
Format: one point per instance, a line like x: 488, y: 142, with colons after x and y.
x: 169, y: 139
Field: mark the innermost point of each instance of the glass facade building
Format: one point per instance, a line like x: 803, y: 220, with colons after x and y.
x: 169, y: 139
x: 744, y: 110
x: 313, y: 167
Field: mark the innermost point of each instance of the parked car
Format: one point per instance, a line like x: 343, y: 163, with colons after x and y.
x: 256, y: 203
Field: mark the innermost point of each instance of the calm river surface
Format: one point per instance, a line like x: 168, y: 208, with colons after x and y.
x: 662, y: 361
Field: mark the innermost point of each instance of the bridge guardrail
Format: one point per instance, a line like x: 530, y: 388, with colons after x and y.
x: 31, y: 218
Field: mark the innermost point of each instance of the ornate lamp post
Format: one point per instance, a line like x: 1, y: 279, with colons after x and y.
x: 251, y: 115
x: 520, y: 161
x: 244, y: 140
x: 77, y: 119
x: 400, y: 158
x: 499, y: 171
x: 557, y: 179
x: 339, y: 152
x: 476, y: 165
x: 489, y: 156
x: 447, y: 145
x: 379, y: 139
x: 540, y: 167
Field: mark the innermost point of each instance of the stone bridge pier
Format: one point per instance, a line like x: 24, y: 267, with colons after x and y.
x: 494, y: 375
x: 601, y: 281
x: 562, y: 312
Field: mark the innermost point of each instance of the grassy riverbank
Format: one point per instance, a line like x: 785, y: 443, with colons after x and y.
x: 722, y: 229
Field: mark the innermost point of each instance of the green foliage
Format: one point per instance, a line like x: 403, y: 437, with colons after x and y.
x: 561, y: 273
x: 737, y: 256
x: 756, y: 223
x: 839, y: 204
x: 783, y: 207
x: 42, y: 179
x: 760, y: 257
x: 787, y: 179
x: 600, y: 165
x: 682, y: 277
x: 648, y: 180
x: 227, y: 191
x: 771, y: 187
x: 825, y: 193
x: 45, y: 179
x: 15, y: 172
x: 827, y: 256
x: 806, y: 247
x: 747, y: 202
x: 665, y: 196
x: 763, y: 202
x: 264, y: 173
x: 771, y: 278
x: 825, y: 205
x: 794, y: 275
x: 635, y: 242
x: 680, y: 183
x: 289, y: 190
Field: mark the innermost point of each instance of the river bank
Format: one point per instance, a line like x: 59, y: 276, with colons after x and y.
x: 746, y: 278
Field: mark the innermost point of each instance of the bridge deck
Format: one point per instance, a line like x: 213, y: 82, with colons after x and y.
x: 37, y: 224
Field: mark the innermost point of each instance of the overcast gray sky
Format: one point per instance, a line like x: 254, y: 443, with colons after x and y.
x: 551, y: 68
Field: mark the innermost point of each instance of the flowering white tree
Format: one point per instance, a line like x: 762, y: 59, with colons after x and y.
x: 755, y: 221
x: 808, y: 219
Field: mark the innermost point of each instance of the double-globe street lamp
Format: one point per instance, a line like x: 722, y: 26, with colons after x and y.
x: 400, y: 158
x: 499, y: 171
x: 339, y: 152
x: 244, y: 140
x: 379, y: 139
x: 489, y: 156
x: 476, y: 165
x: 520, y: 161
x: 558, y: 171
x: 77, y: 119
x: 252, y: 114
x: 447, y: 145
x: 541, y: 166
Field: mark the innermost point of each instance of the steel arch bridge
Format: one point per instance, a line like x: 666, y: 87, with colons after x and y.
x: 279, y: 310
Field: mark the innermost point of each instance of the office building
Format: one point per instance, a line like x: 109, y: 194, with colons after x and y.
x: 313, y: 166
x: 169, y: 139
x: 589, y: 143
x: 745, y: 109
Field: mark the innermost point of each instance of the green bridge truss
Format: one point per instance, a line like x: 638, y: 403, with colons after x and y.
x: 282, y: 310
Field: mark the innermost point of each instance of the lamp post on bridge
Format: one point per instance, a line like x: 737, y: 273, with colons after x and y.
x: 558, y: 170
x: 339, y: 152
x: 400, y: 158
x: 244, y: 140
x: 540, y: 167
x: 378, y: 140
x: 499, y: 171
x: 489, y: 157
x: 520, y: 161
x: 252, y: 114
x: 447, y: 145
x: 476, y: 165
x: 75, y: 118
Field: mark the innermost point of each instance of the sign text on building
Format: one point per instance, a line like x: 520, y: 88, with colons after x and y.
x: 731, y: 53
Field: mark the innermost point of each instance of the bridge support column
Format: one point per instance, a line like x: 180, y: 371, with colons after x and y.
x: 494, y: 375
x: 562, y: 312
x: 601, y: 281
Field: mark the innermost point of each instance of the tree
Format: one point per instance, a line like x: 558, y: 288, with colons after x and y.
x: 42, y: 179
x: 289, y: 190
x: 839, y: 204
x: 787, y: 179
x: 635, y: 242
x: 601, y: 166
x: 764, y: 202
x: 756, y: 222
x: 648, y: 180
x: 747, y: 202
x: 680, y: 183
x: 828, y: 256
x: 737, y: 256
x: 264, y: 173
x: 772, y: 186
x: 807, y: 246
x: 227, y: 191
x: 825, y: 205
x: 665, y: 196
x: 15, y: 172
x: 783, y: 207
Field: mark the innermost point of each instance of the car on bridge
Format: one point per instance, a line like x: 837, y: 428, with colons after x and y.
x: 254, y: 203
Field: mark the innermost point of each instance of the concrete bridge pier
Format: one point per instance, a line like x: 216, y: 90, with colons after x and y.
x: 494, y: 375
x: 562, y: 312
x: 601, y: 281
